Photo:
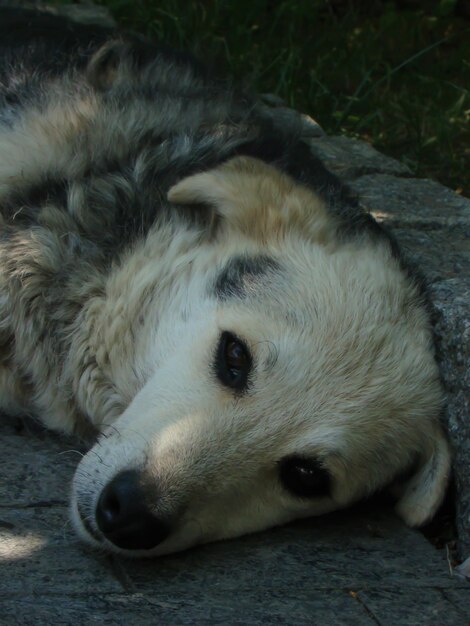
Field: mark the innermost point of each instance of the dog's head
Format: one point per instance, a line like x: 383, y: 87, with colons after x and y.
x: 281, y: 370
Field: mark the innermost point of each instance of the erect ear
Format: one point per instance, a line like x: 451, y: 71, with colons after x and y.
x: 422, y: 494
x: 257, y: 198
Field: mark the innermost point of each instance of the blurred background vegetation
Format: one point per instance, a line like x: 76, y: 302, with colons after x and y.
x: 396, y: 74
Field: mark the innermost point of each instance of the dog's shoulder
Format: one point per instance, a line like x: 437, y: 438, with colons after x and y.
x: 145, y: 116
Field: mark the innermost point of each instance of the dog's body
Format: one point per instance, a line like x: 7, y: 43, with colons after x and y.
x: 182, y: 275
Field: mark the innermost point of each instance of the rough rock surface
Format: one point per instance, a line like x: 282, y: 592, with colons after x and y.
x: 432, y: 226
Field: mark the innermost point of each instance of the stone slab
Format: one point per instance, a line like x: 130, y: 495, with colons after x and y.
x: 450, y: 302
x: 411, y: 202
x: 286, y: 117
x: 350, y: 158
x: 461, y: 601
x: 40, y: 471
x: 39, y: 553
x: 439, y: 254
x: 209, y: 607
x: 351, y: 550
x: 421, y: 608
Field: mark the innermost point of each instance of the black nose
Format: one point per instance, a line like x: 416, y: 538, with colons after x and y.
x: 123, y: 515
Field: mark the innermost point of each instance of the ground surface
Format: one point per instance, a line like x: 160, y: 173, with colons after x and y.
x: 361, y: 567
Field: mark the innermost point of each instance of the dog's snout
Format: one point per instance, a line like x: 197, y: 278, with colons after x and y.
x: 124, y: 517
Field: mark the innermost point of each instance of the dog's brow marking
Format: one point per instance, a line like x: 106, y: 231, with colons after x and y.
x: 239, y: 275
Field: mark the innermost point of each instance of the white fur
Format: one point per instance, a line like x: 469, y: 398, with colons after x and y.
x: 354, y: 382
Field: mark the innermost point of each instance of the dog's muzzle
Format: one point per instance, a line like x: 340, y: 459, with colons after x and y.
x: 124, y: 517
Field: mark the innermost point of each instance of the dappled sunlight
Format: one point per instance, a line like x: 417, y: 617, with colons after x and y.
x: 14, y: 546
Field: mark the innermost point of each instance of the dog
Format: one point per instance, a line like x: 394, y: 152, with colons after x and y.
x: 181, y: 277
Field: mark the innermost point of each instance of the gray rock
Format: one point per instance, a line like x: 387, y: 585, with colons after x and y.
x: 285, y: 116
x: 206, y: 607
x: 350, y: 158
x: 39, y: 470
x: 433, y: 610
x: 451, y: 306
x: 412, y: 202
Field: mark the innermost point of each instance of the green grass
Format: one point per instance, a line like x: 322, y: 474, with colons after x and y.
x: 396, y: 78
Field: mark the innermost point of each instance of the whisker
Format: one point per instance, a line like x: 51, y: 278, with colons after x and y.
x: 74, y: 451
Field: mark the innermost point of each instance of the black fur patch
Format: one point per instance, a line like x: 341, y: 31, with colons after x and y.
x: 240, y: 275
x: 48, y: 190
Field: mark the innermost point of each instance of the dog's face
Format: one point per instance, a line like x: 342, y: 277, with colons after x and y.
x: 289, y: 374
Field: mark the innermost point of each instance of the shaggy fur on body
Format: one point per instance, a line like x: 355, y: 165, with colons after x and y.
x: 182, y: 276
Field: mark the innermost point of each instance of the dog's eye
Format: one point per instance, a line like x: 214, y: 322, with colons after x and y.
x: 304, y: 477
x: 233, y: 362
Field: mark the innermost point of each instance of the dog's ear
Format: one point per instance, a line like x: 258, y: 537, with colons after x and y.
x: 104, y: 65
x: 256, y: 198
x: 215, y: 188
x: 422, y: 494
